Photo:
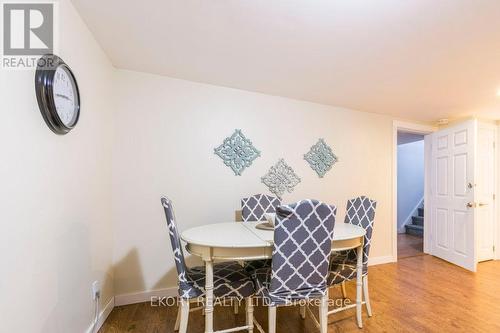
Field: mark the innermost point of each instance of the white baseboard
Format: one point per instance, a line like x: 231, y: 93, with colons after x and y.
x: 103, y: 315
x: 381, y: 260
x: 144, y: 296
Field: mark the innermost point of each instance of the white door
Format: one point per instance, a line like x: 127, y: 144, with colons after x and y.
x: 452, y: 194
x: 485, y: 191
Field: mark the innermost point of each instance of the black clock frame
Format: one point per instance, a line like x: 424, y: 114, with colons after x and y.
x: 44, y: 87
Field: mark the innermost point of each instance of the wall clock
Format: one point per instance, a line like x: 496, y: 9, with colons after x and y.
x: 57, y: 94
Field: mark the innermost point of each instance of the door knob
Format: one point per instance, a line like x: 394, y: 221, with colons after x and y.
x: 471, y: 205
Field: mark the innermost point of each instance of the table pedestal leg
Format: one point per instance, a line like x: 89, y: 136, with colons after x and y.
x: 209, y: 296
x: 359, y: 284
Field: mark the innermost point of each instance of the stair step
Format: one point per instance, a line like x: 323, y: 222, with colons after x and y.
x: 416, y: 230
x: 421, y: 212
x: 418, y: 220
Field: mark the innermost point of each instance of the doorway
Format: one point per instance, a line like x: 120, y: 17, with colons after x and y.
x: 410, y: 196
x: 460, y: 181
x: 415, y: 241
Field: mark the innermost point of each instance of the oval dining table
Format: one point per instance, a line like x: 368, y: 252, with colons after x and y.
x: 243, y: 241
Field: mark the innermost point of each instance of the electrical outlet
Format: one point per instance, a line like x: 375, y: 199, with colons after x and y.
x: 96, y: 290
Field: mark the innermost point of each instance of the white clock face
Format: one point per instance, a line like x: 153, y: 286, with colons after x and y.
x: 64, y: 96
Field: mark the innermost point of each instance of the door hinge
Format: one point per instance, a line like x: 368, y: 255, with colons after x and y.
x: 493, y: 248
x: 494, y: 196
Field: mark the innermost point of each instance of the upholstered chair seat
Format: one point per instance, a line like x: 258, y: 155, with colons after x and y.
x: 343, y: 267
x: 230, y: 281
x: 339, y: 273
x: 250, y: 266
x: 262, y: 281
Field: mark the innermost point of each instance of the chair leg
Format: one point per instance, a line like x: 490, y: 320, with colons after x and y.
x: 302, y: 310
x: 271, y: 319
x: 236, y: 307
x: 367, y: 296
x: 249, y: 303
x: 184, y: 316
x: 344, y: 292
x: 359, y: 285
x: 323, y: 313
x: 178, y: 320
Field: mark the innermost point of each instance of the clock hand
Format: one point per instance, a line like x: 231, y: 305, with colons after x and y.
x: 63, y: 96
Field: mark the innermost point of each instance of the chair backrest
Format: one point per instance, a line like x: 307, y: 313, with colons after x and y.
x: 303, y: 237
x: 180, y: 263
x: 361, y: 212
x: 253, y: 208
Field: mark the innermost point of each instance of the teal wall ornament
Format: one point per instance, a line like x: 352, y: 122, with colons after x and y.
x: 321, y: 158
x: 237, y: 152
x: 280, y: 178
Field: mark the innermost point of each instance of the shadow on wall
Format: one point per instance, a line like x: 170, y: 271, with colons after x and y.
x: 73, y: 269
x: 128, y: 274
x: 171, y: 275
x: 129, y: 263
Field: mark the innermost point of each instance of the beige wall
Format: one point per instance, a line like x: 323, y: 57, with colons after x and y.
x: 166, y: 130
x: 55, y: 195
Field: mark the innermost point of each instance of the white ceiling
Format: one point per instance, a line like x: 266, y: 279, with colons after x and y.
x: 415, y: 59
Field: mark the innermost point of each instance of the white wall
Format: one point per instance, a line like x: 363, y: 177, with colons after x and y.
x: 55, y: 192
x: 410, y: 179
x: 166, y: 130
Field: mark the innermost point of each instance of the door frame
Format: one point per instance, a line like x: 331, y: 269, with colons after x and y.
x: 415, y: 128
x: 497, y: 189
x: 496, y: 208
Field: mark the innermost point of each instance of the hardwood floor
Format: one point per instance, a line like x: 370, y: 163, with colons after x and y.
x: 418, y: 294
x: 410, y: 246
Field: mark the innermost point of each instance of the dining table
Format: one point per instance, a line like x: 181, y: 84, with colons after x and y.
x: 244, y: 241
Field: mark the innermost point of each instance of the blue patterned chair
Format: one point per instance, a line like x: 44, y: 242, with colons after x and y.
x: 230, y: 279
x: 360, y: 212
x: 253, y: 209
x: 303, y: 237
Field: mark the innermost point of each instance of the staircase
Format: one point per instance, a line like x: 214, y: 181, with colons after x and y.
x: 416, y: 227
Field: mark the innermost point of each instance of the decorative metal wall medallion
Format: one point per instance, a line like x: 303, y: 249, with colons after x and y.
x: 237, y: 152
x: 321, y: 158
x: 280, y: 178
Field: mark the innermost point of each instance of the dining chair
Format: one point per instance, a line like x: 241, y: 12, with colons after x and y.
x: 303, y: 237
x: 231, y: 281
x: 254, y: 208
x: 361, y: 212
